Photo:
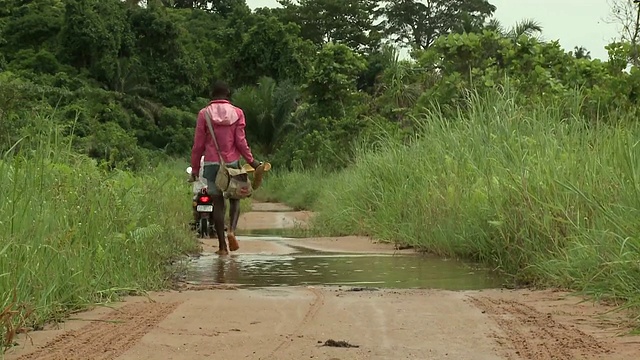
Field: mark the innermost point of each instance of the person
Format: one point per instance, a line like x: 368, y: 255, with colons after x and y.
x: 228, y: 124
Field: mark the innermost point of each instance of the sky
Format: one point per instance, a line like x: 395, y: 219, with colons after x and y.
x: 572, y: 22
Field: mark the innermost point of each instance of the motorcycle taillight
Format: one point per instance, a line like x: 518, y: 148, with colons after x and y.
x: 204, y: 199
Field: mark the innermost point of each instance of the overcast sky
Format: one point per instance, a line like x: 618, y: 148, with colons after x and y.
x: 573, y: 22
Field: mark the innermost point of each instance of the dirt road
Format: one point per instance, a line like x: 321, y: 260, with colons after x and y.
x: 294, y: 323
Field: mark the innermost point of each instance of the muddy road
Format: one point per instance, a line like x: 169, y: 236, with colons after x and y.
x: 229, y: 322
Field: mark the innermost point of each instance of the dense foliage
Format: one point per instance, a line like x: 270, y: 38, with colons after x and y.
x: 512, y: 150
x: 126, y: 80
x: 497, y: 147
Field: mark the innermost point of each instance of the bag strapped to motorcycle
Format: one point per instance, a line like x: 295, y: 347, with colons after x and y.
x: 233, y: 183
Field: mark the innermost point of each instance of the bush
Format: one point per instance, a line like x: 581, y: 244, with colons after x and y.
x: 542, y: 197
x: 298, y: 189
x: 72, y: 234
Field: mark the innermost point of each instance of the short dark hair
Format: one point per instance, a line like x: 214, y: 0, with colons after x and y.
x: 220, y: 89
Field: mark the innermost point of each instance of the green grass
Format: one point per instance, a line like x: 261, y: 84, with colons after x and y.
x: 535, y: 191
x: 297, y: 189
x: 72, y: 235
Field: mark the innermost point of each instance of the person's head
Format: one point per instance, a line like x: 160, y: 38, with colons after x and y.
x: 220, y: 90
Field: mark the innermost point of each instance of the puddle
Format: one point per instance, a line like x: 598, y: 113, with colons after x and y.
x: 284, y: 233
x: 270, y: 207
x: 308, y: 267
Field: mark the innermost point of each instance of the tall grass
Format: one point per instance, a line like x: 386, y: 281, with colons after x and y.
x: 535, y: 191
x: 299, y: 189
x: 72, y: 235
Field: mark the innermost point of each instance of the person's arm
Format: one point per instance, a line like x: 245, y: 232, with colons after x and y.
x: 241, y: 141
x: 198, y: 144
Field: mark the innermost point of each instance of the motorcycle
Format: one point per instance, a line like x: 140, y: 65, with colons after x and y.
x: 202, y: 207
x: 203, y: 204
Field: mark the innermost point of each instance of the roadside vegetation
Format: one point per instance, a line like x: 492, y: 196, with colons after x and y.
x: 72, y: 235
x: 550, y: 201
x: 487, y: 143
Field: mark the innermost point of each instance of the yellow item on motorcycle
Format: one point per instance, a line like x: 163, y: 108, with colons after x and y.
x: 259, y: 174
x: 248, y: 168
x: 257, y: 177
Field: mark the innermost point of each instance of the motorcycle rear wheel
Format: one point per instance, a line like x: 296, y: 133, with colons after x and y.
x: 203, y: 230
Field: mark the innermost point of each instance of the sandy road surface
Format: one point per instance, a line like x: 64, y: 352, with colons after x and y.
x: 293, y: 323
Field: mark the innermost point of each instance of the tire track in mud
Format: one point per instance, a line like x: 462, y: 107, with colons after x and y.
x: 107, y: 338
x: 537, y: 336
x: 312, y: 312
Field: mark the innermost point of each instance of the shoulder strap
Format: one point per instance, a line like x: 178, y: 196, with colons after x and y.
x: 213, y: 135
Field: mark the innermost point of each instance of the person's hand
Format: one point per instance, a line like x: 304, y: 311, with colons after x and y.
x: 192, y: 178
x: 255, y: 164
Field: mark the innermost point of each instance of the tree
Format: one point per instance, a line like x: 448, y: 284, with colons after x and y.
x: 418, y: 24
x: 353, y: 23
x: 526, y: 27
x: 130, y: 86
x: 626, y: 14
x: 396, y: 91
x: 268, y: 109
x: 221, y: 7
x: 33, y: 25
x: 270, y: 49
x: 94, y: 35
x: 173, y: 73
x: 580, y: 52
x: 333, y: 79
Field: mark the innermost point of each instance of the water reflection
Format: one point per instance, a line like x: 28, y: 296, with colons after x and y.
x: 339, y: 269
x: 284, y: 232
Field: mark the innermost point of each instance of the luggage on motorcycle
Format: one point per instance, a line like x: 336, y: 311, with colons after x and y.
x: 234, y: 183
